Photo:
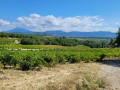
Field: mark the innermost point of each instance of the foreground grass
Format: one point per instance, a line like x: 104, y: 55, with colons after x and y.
x: 82, y: 76
x: 85, y: 77
x: 90, y: 82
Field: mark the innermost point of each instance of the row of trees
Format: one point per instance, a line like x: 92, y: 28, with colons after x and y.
x: 63, y: 41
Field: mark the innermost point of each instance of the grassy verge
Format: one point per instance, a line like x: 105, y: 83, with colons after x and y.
x: 85, y: 77
x: 82, y: 76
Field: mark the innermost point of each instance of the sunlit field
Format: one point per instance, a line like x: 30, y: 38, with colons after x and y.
x: 28, y: 57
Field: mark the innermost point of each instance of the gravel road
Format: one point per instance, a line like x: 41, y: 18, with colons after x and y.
x: 112, y: 70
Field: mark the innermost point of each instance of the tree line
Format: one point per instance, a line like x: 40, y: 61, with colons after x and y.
x: 48, y: 40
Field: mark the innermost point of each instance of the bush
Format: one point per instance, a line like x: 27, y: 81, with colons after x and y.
x: 27, y: 62
x: 61, y: 58
x: 102, y: 56
x: 39, y: 63
x: 6, y: 58
x: 74, y: 58
x: 50, y: 60
x: 25, y: 65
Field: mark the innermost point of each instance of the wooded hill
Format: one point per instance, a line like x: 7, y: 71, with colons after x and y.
x: 63, y: 41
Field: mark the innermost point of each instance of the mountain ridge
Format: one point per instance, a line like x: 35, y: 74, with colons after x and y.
x: 60, y: 33
x: 18, y: 30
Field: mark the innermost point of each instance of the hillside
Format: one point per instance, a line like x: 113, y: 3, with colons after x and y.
x: 80, y: 34
x: 60, y: 33
x: 19, y: 30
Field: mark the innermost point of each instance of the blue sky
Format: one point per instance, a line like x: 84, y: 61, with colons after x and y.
x: 67, y: 15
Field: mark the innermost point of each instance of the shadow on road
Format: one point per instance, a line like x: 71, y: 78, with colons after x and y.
x: 115, y: 63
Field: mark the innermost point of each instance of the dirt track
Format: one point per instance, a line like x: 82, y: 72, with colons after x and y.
x: 111, y: 69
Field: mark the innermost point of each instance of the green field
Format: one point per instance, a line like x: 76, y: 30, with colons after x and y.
x: 27, y: 57
x: 7, y: 41
x: 43, y: 47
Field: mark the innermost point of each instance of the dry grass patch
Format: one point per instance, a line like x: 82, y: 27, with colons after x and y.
x: 61, y: 77
x: 90, y: 83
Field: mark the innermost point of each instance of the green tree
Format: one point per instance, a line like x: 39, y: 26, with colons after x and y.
x: 118, y: 38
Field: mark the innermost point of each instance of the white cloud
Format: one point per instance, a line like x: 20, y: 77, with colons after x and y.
x: 35, y: 15
x: 5, y: 25
x: 35, y: 22
x: 3, y: 22
x: 117, y: 23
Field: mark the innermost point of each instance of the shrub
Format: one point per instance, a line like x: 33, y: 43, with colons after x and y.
x: 102, y: 56
x: 50, y: 60
x: 27, y: 62
x: 6, y: 58
x: 61, y: 58
x: 39, y: 63
x: 25, y: 65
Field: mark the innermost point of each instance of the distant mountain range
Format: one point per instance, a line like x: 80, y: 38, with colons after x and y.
x: 60, y: 33
x: 19, y: 30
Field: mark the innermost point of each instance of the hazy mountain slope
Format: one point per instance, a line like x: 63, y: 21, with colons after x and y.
x: 60, y: 33
x: 19, y: 30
